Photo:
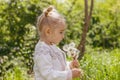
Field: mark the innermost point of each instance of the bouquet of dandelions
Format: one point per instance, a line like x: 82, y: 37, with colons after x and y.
x: 73, y: 53
x: 71, y: 50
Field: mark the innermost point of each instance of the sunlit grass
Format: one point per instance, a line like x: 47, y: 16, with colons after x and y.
x: 101, y: 65
x: 97, y: 65
x: 17, y: 73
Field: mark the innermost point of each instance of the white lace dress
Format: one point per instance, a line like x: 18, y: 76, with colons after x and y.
x: 50, y: 63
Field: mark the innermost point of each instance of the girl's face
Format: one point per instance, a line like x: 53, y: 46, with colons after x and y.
x: 58, y: 34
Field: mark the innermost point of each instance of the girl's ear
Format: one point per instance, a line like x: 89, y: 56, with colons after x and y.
x: 47, y: 31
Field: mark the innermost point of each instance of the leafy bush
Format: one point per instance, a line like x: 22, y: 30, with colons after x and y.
x: 15, y: 69
x: 18, y: 33
x: 17, y: 73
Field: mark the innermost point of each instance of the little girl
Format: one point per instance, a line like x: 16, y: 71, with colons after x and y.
x: 49, y: 60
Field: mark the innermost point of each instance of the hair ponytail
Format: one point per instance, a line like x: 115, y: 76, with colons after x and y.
x: 49, y: 9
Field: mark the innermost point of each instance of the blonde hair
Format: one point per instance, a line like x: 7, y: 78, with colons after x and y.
x: 49, y: 18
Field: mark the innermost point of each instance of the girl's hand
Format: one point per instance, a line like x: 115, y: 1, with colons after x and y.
x: 74, y: 64
x: 76, y: 73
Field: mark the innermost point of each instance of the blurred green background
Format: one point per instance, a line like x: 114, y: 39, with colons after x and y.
x: 18, y: 36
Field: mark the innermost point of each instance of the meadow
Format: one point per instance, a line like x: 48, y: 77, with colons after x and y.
x: 96, y: 65
x: 18, y: 36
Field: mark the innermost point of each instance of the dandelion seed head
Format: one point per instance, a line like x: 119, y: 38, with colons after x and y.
x: 71, y: 50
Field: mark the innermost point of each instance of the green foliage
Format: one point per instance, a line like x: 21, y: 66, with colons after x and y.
x: 98, y: 65
x: 105, y: 25
x: 17, y: 73
x: 18, y: 34
x: 14, y: 69
x: 101, y: 65
x: 104, y: 30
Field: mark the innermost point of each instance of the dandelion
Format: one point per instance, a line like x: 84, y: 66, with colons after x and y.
x: 71, y: 50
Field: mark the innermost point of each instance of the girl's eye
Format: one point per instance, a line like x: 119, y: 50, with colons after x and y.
x: 61, y: 32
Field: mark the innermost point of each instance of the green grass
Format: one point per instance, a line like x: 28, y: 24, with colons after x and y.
x: 96, y: 64
x: 17, y: 73
x: 101, y: 65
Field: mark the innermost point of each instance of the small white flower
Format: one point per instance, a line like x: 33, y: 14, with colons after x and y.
x: 72, y: 44
x: 71, y: 50
x: 66, y: 48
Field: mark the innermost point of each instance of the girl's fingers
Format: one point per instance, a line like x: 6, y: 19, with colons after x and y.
x: 75, y: 64
x: 75, y: 57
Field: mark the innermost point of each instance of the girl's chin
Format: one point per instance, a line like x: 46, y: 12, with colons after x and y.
x: 56, y: 43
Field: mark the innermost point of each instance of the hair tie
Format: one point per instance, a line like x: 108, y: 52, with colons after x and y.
x: 50, y: 8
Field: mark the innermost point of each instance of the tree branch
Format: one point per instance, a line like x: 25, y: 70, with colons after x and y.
x: 81, y: 46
